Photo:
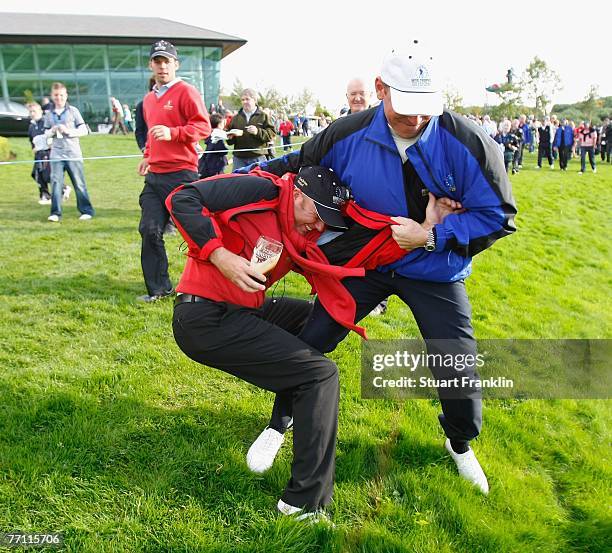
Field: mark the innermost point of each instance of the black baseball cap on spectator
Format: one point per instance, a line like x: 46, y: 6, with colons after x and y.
x: 163, y: 48
x: 324, y: 188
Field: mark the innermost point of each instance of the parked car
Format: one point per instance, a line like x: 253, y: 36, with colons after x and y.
x: 14, y: 119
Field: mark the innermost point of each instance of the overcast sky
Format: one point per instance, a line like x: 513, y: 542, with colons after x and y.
x: 322, y: 44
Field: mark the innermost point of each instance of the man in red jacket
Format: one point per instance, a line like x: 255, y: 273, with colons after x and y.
x: 177, y: 120
x: 222, y: 318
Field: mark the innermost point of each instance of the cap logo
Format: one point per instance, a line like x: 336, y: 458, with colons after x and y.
x: 161, y: 45
x: 302, y: 182
x: 422, y: 78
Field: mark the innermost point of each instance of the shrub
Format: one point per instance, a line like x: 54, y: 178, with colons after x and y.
x: 5, y: 150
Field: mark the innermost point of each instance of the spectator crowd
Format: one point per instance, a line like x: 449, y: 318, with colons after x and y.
x: 251, y: 131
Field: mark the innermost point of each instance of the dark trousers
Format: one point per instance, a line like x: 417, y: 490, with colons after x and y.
x: 508, y: 160
x: 518, y: 157
x: 442, y: 312
x: 260, y: 346
x: 153, y: 219
x: 286, y: 142
x: 564, y: 152
x: 544, y: 150
x: 608, y: 150
x: 41, y: 172
x: 584, y: 150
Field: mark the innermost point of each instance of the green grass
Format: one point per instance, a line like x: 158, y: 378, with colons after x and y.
x: 113, y: 437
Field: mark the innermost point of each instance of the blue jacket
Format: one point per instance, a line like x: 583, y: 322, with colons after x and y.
x: 453, y: 158
x: 527, y: 134
x: 567, y: 133
x: 213, y: 162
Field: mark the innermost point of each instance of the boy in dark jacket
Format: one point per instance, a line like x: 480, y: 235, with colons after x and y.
x: 41, y: 172
x: 214, y: 160
x: 510, y: 143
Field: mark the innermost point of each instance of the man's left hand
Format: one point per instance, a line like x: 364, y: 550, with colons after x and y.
x: 440, y: 208
x: 251, y: 129
x: 409, y: 234
x: 160, y: 132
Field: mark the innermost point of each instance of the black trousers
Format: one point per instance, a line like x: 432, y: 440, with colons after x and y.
x: 519, y: 154
x: 564, y: 152
x: 544, y: 150
x: 260, y: 346
x: 153, y: 219
x: 41, y: 172
x: 442, y: 312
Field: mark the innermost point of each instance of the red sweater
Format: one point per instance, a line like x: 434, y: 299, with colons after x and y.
x: 182, y: 110
x: 285, y: 128
x: 239, y: 228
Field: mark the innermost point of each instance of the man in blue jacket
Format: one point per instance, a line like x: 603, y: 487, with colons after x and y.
x: 525, y: 128
x: 391, y: 157
x: 564, y: 139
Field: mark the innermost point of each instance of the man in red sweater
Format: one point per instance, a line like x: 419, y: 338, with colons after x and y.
x: 177, y: 120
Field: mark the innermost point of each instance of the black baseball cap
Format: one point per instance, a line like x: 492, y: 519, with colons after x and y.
x: 324, y: 188
x: 163, y: 48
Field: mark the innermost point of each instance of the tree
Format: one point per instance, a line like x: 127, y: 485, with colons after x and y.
x: 273, y: 99
x: 540, y: 83
x: 322, y: 110
x: 305, y: 99
x: 452, y: 99
x: 28, y: 96
x: 509, y: 95
x: 591, y: 102
x: 233, y: 100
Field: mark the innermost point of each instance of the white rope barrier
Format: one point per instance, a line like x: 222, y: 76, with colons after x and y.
x: 140, y: 155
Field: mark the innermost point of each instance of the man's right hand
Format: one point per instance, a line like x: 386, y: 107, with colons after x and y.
x: 237, y: 270
x: 143, y: 166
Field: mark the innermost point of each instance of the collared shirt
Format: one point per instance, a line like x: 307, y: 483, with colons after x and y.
x: 161, y: 90
x: 248, y: 114
x: 65, y: 147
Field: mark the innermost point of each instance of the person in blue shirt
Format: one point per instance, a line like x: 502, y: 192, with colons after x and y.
x: 392, y: 156
x: 563, y: 141
x: 527, y: 139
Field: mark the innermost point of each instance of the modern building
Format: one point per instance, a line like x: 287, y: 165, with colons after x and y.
x: 102, y: 56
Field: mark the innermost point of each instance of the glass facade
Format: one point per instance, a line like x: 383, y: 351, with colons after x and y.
x: 93, y: 73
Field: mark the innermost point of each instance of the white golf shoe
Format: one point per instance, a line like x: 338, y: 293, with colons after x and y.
x: 300, y: 515
x: 262, y: 453
x: 469, y: 467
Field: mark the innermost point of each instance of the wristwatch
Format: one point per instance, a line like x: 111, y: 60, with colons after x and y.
x: 430, y: 245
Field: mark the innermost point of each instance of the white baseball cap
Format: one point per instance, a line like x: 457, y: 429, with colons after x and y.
x: 414, y: 88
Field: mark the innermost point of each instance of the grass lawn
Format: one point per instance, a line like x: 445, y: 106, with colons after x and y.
x: 115, y: 438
